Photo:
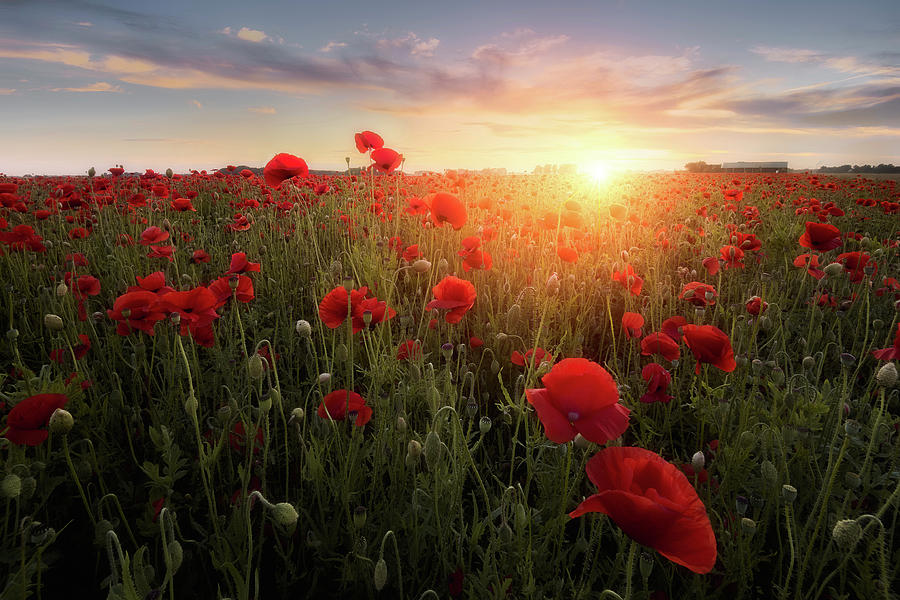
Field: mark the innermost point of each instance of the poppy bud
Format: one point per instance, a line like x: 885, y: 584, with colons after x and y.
x: 887, y: 375
x: 749, y: 526
x: 61, y: 290
x: 191, y: 405
x: 285, y: 515
x: 513, y: 316
x: 11, y: 486
x: 176, y: 554
x: 303, y: 328
x: 646, y: 565
x: 698, y: 461
x: 852, y: 480
x: 421, y: 266
x: 12, y: 334
x: 484, y: 425
x: 92, y: 171
x: 789, y: 493
x: 297, y: 414
x: 553, y: 285
x: 834, y: 269
x: 847, y: 359
x: 852, y: 428
x: 769, y: 472
x: 847, y: 533
x: 401, y: 424
x: 809, y: 363
x: 500, y: 337
x: 495, y: 366
x: 61, y: 422
x: 53, y: 322
x: 432, y: 447
x: 381, y: 574
x: 413, y: 449
x: 443, y: 266
x: 169, y: 173
x: 447, y: 350
x: 255, y: 367
x: 742, y: 504
x: 581, y: 442
x: 29, y: 485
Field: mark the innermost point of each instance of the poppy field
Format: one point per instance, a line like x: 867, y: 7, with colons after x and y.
x: 274, y: 383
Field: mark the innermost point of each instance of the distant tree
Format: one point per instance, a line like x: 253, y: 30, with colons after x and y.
x: 701, y: 167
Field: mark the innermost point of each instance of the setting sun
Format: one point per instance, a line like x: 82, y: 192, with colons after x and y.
x: 599, y: 172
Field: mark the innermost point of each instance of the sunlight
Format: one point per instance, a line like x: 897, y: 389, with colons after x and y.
x: 599, y: 172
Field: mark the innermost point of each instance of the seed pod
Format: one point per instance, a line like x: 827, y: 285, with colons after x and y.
x: 789, y: 493
x: 381, y: 574
x: 53, y: 322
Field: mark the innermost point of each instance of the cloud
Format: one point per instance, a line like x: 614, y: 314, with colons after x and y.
x: 412, y: 44
x: 787, y: 55
x: 84, y: 24
x: 7, y: 91
x: 197, y: 103
x: 248, y: 35
x: 263, y: 110
x: 332, y: 45
x: 100, y: 86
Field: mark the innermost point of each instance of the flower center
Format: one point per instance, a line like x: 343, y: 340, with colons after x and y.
x: 573, y: 416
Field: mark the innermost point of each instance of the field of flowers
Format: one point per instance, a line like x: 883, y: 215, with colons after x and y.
x: 237, y: 385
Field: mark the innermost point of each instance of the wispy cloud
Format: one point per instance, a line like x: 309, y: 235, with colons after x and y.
x: 332, y: 45
x: 100, y: 86
x: 248, y: 35
x: 197, y: 103
x: 263, y: 110
x: 412, y: 44
x: 84, y: 24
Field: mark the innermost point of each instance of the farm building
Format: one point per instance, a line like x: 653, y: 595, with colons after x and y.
x: 755, y: 167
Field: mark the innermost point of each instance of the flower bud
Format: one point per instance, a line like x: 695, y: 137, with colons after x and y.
x: 61, y: 422
x: 401, y: 424
x: 191, y: 405
x: 11, y: 486
x: 176, y: 554
x: 887, y: 375
x: 749, y: 526
x: 297, y: 414
x: 285, y: 515
x: 381, y: 574
x: 553, y: 285
x: 62, y: 289
x: 698, y: 461
x: 769, y: 472
x: 852, y: 480
x: 432, y: 447
x: 847, y: 533
x: 413, y: 449
x: 303, y: 328
x: 92, y: 171
x: 324, y: 378
x: 255, y: 368
x: 809, y: 363
x: 169, y: 173
x: 833, y: 269
x: 421, y: 266
x: 852, y: 428
x: 53, y: 322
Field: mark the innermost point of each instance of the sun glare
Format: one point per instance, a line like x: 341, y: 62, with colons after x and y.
x: 598, y: 172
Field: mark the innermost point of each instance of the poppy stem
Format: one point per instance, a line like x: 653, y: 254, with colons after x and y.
x: 68, y: 455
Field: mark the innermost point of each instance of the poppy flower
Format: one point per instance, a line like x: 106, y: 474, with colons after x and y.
x: 709, y: 345
x: 136, y: 310
x: 446, y: 208
x: 197, y: 307
x: 658, y: 380
x: 386, y: 160
x: 182, y: 205
x: 653, y: 503
x: 672, y: 327
x: 238, y: 286
x: 632, y: 323
x: 340, y: 403
x: 86, y: 285
x: 368, y: 140
x: 531, y: 357
x: 283, y: 166
x: 629, y: 280
x: 154, y: 282
x: 811, y: 262
x: 891, y: 353
x: 732, y: 257
x: 116, y: 171
x: 662, y: 344
x: 237, y: 438
x: 200, y: 256
x: 579, y: 397
x: 27, y: 419
x: 333, y: 309
x: 455, y: 294
x: 476, y: 342
x: 698, y: 294
x: 820, y: 236
x: 409, y: 350
x: 569, y: 255
x: 240, y: 264
x: 855, y: 264
x: 153, y: 235
x: 162, y: 252
x: 411, y: 253
x: 756, y: 306
x: 711, y: 264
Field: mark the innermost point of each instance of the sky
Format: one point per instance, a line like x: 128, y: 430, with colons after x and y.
x: 621, y: 85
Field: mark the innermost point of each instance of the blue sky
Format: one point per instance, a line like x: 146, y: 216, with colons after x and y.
x: 510, y: 84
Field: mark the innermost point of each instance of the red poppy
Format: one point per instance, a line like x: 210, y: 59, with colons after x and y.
x: 368, y: 140
x: 136, y: 310
x: 154, y: 282
x: 446, y: 208
x: 632, y: 323
x: 86, y: 285
x: 333, y: 308
x: 59, y: 355
x: 116, y: 171
x: 709, y: 345
x: 732, y: 257
x: 341, y: 402
x: 200, y: 256
x: 891, y: 353
x: 531, y: 357
x: 182, y: 205
x: 653, y: 503
x: 197, y: 307
x: 476, y: 342
x: 629, y: 280
x: 756, y: 306
x: 855, y: 264
x: 411, y: 253
x: 820, y: 236
x: 658, y: 380
x: 711, y: 264
x: 240, y: 286
x: 672, y: 327
x: 811, y: 262
x: 455, y: 294
x: 237, y: 438
x: 27, y: 419
x: 698, y: 294
x: 283, y: 166
x: 386, y: 160
x: 162, y: 252
x: 409, y: 350
x: 662, y: 344
x: 240, y: 264
x: 579, y: 397
x: 569, y: 255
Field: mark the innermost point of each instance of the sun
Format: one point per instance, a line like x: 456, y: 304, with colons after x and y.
x: 599, y: 172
